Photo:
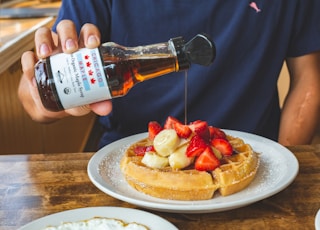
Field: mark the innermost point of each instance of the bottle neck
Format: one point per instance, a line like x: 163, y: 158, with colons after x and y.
x: 144, y: 62
x: 177, y: 46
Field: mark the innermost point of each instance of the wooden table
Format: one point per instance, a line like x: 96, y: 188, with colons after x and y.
x: 36, y: 185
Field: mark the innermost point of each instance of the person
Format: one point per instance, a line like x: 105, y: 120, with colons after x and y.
x: 238, y: 91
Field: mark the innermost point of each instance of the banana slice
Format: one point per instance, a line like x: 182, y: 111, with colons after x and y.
x: 217, y: 153
x: 178, y: 159
x: 166, y: 142
x: 153, y: 160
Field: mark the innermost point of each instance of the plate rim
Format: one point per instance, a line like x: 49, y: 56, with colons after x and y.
x: 122, y: 213
x: 181, y: 208
x: 317, y: 220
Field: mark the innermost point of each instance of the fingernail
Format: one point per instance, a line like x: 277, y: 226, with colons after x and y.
x: 44, y: 50
x: 93, y: 40
x: 70, y: 45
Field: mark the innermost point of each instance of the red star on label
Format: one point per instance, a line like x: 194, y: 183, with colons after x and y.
x: 92, y: 80
x: 90, y: 72
x: 86, y: 57
x: 88, y: 64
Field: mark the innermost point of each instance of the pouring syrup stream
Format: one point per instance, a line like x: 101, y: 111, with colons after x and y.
x: 185, y: 97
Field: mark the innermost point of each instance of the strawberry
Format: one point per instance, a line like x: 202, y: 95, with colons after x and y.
x: 216, y: 133
x: 196, y: 146
x: 223, y: 146
x: 141, y: 150
x: 201, y: 128
x: 169, y: 124
x: 182, y: 130
x: 153, y: 129
x: 207, y: 161
x: 150, y: 148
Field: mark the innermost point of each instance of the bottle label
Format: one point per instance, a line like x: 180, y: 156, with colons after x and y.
x: 79, y: 77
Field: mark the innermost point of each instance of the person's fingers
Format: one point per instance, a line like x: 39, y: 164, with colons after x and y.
x: 68, y: 38
x: 28, y: 92
x: 102, y: 108
x: 89, y: 36
x: 28, y: 61
x: 79, y: 111
x: 44, y: 44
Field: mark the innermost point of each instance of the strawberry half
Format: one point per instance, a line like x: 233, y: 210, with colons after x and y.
x: 216, y: 133
x: 201, y: 128
x: 169, y: 124
x: 141, y: 150
x: 153, y: 129
x: 196, y: 146
x: 182, y: 130
x: 207, y: 161
x: 223, y: 146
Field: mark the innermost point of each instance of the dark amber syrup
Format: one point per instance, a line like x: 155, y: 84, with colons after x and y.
x: 122, y: 75
x: 186, y: 97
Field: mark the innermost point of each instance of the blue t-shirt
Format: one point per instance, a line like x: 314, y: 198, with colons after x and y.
x: 238, y: 91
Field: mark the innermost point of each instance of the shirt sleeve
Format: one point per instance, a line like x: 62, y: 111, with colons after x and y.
x: 306, y: 31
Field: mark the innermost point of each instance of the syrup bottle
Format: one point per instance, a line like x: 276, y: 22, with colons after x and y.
x: 90, y: 75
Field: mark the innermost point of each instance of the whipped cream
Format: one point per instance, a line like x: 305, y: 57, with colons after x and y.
x: 98, y: 223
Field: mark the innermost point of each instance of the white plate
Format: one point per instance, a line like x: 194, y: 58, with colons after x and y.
x: 317, y: 220
x: 126, y: 214
x: 278, y: 168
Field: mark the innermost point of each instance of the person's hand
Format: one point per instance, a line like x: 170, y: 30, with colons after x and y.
x: 48, y: 43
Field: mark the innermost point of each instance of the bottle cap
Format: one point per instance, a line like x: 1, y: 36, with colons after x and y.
x: 179, y: 44
x: 200, y: 50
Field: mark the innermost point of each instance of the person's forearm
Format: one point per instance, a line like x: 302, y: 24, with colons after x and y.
x: 299, y: 120
x: 301, y: 111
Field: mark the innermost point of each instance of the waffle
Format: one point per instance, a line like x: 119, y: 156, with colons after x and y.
x: 235, y: 173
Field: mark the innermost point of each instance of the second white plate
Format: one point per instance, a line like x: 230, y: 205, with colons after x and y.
x: 278, y: 168
x: 128, y: 215
x: 317, y: 220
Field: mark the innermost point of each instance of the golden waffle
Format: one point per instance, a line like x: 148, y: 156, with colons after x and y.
x: 238, y: 170
x: 235, y: 173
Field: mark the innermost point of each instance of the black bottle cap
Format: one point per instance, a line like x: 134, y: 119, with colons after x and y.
x: 179, y: 44
x: 200, y: 50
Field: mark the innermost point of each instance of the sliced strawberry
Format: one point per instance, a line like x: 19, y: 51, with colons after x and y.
x: 223, y: 146
x: 196, y: 146
x: 169, y: 124
x: 207, y: 161
x: 141, y: 150
x: 153, y: 129
x: 150, y: 148
x: 201, y: 128
x: 216, y: 133
x: 182, y: 130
